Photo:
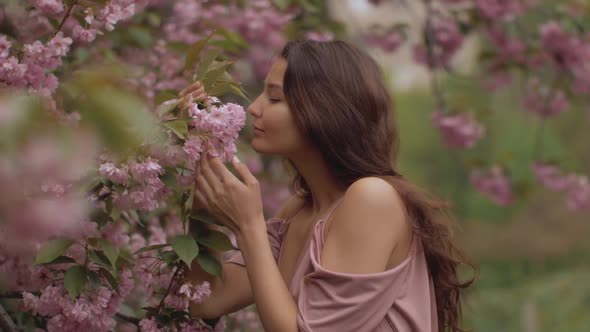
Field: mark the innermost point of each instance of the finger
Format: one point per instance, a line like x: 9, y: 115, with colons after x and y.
x: 196, y: 91
x: 219, y: 169
x: 212, y: 180
x: 190, y: 88
x: 199, y: 95
x: 200, y: 200
x: 202, y: 187
x: 195, y: 86
x: 243, y: 171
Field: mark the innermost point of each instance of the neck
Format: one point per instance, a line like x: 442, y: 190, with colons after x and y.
x: 324, y: 188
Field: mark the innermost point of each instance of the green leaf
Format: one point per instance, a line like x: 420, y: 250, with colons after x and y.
x: 219, y: 89
x: 216, y: 240
x: 169, y: 177
x: 239, y: 90
x: 149, y: 248
x: 115, y: 214
x: 178, y: 47
x: 110, y: 279
x: 309, y: 6
x: 167, y: 106
x: 75, y: 280
x: 282, y: 4
x: 209, y: 263
x: 110, y: 251
x: 124, y: 257
x: 185, y: 247
x: 179, y: 127
x: 204, y: 218
x: 133, y: 216
x: 51, y: 250
x: 205, y: 63
x: 226, y: 45
x: 141, y: 36
x: 61, y: 260
x: 94, y: 279
x: 98, y: 257
x: 234, y: 37
x: 194, y: 51
x: 164, y: 96
x: 169, y: 256
x: 153, y: 19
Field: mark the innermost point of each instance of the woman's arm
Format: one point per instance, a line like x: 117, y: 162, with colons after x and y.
x: 274, y: 302
x: 228, y: 294
x: 232, y: 292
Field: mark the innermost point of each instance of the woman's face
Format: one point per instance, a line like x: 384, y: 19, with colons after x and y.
x: 275, y: 131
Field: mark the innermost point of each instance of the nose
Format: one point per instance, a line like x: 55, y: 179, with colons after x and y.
x: 254, y: 108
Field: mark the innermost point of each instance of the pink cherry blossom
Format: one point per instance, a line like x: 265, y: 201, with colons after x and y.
x: 578, y: 195
x: 564, y: 49
x: 5, y: 45
x: 543, y: 101
x: 493, y: 183
x: 388, y: 42
x: 49, y: 7
x: 551, y: 177
x: 85, y: 35
x: 509, y: 48
x: 320, y: 36
x: 459, y: 130
x: 119, y: 175
x: 148, y: 169
x: 148, y: 325
x: 445, y: 39
x: 505, y: 10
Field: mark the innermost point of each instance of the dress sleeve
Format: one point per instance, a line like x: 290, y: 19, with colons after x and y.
x: 333, y: 301
x: 274, y: 230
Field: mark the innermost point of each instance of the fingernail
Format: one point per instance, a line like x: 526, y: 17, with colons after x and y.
x: 236, y: 159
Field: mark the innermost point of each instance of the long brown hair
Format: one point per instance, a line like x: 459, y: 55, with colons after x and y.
x: 339, y: 100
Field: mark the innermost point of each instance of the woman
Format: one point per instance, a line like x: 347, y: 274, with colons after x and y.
x: 357, y: 247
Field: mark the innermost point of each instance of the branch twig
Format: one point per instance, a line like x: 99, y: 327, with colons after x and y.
x: 129, y: 319
x: 65, y: 18
x: 6, y: 323
x: 172, y: 281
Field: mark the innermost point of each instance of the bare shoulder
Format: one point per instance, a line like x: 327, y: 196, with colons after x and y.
x: 376, y: 200
x: 289, y: 206
x: 365, y: 229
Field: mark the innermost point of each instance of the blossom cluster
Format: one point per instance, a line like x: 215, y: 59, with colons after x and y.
x: 458, y: 130
x: 493, y: 183
x: 257, y: 18
x: 93, y: 311
x: 575, y: 186
x: 219, y: 125
x: 142, y: 188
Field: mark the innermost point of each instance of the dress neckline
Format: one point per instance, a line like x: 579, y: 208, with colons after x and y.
x: 284, y: 227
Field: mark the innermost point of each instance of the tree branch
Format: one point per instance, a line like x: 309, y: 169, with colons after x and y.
x: 65, y: 18
x: 6, y: 323
x: 129, y: 319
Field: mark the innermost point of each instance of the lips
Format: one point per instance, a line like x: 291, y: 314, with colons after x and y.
x: 256, y: 128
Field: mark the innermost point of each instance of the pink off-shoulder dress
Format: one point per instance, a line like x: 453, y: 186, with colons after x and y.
x: 400, y: 299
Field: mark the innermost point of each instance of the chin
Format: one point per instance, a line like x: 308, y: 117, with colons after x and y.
x: 262, y: 148
x: 256, y: 146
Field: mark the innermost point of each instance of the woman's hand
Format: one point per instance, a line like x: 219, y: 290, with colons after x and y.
x: 236, y: 203
x: 194, y: 92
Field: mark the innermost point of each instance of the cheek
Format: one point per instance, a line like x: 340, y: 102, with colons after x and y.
x: 281, y: 134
